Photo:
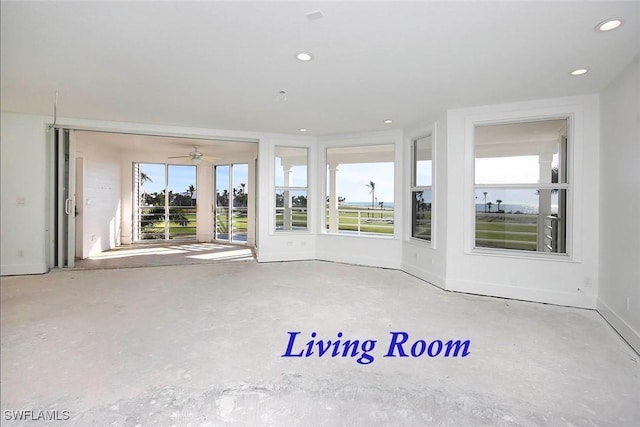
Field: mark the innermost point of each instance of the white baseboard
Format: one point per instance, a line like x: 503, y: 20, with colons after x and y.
x: 360, y: 259
x: 425, y: 275
x: 625, y: 330
x: 284, y: 256
x: 579, y: 300
x: 21, y: 269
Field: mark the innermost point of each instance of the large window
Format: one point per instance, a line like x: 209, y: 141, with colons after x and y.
x: 291, y: 188
x: 360, y: 190
x: 422, y: 188
x: 521, y: 186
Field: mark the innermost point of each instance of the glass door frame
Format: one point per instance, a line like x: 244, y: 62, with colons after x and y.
x: 137, y: 229
x: 230, y: 208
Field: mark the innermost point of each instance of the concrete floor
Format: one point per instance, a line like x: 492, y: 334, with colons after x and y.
x: 201, y: 345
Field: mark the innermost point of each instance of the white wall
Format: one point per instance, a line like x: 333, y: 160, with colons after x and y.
x: 24, y: 174
x: 99, y: 207
x: 559, y: 280
x: 619, y: 291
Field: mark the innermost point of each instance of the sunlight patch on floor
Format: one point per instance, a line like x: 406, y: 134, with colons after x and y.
x: 123, y: 253
x: 237, y: 254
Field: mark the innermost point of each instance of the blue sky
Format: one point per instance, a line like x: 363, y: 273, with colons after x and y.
x: 240, y: 176
x: 353, y: 178
x: 182, y: 176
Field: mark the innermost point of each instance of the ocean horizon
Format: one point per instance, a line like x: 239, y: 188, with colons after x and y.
x: 480, y: 207
x: 514, y: 208
x: 366, y: 204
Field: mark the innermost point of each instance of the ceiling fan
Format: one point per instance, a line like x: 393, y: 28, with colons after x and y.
x: 195, y: 156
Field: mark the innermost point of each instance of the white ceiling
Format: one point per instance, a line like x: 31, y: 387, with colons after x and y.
x: 221, y: 64
x: 171, y: 145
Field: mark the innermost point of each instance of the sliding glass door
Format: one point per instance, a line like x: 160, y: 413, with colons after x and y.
x: 63, y: 174
x: 231, y: 201
x: 166, y: 201
x: 181, y: 187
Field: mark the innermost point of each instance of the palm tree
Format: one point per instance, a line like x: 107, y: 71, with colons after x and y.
x: 489, y: 204
x: 498, y: 202
x: 191, y: 190
x: 144, y: 178
x: 485, y: 201
x: 372, y: 186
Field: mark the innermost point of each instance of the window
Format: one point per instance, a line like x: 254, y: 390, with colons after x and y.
x: 422, y: 187
x: 360, y: 190
x: 291, y: 188
x: 521, y: 186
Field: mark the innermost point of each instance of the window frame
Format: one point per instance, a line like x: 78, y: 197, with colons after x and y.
x: 413, y: 187
x: 567, y: 186
x: 292, y: 188
x: 361, y: 144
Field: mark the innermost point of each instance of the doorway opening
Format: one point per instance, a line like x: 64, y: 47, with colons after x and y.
x: 113, y: 191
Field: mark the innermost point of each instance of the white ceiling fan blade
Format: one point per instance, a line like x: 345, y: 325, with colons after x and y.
x: 196, y: 156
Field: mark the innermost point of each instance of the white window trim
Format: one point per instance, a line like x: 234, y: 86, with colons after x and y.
x: 413, y: 187
x: 421, y: 133
x: 574, y: 123
x: 363, y: 141
x: 276, y: 188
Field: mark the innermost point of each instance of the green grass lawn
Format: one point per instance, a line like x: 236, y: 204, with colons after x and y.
x: 493, y: 231
x: 156, y: 229
x: 239, y: 222
x: 507, y: 231
x: 371, y: 221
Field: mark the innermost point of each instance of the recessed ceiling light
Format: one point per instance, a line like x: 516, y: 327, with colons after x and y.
x: 609, y: 24
x: 303, y: 129
x: 388, y: 121
x: 304, y: 56
x: 579, y: 72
